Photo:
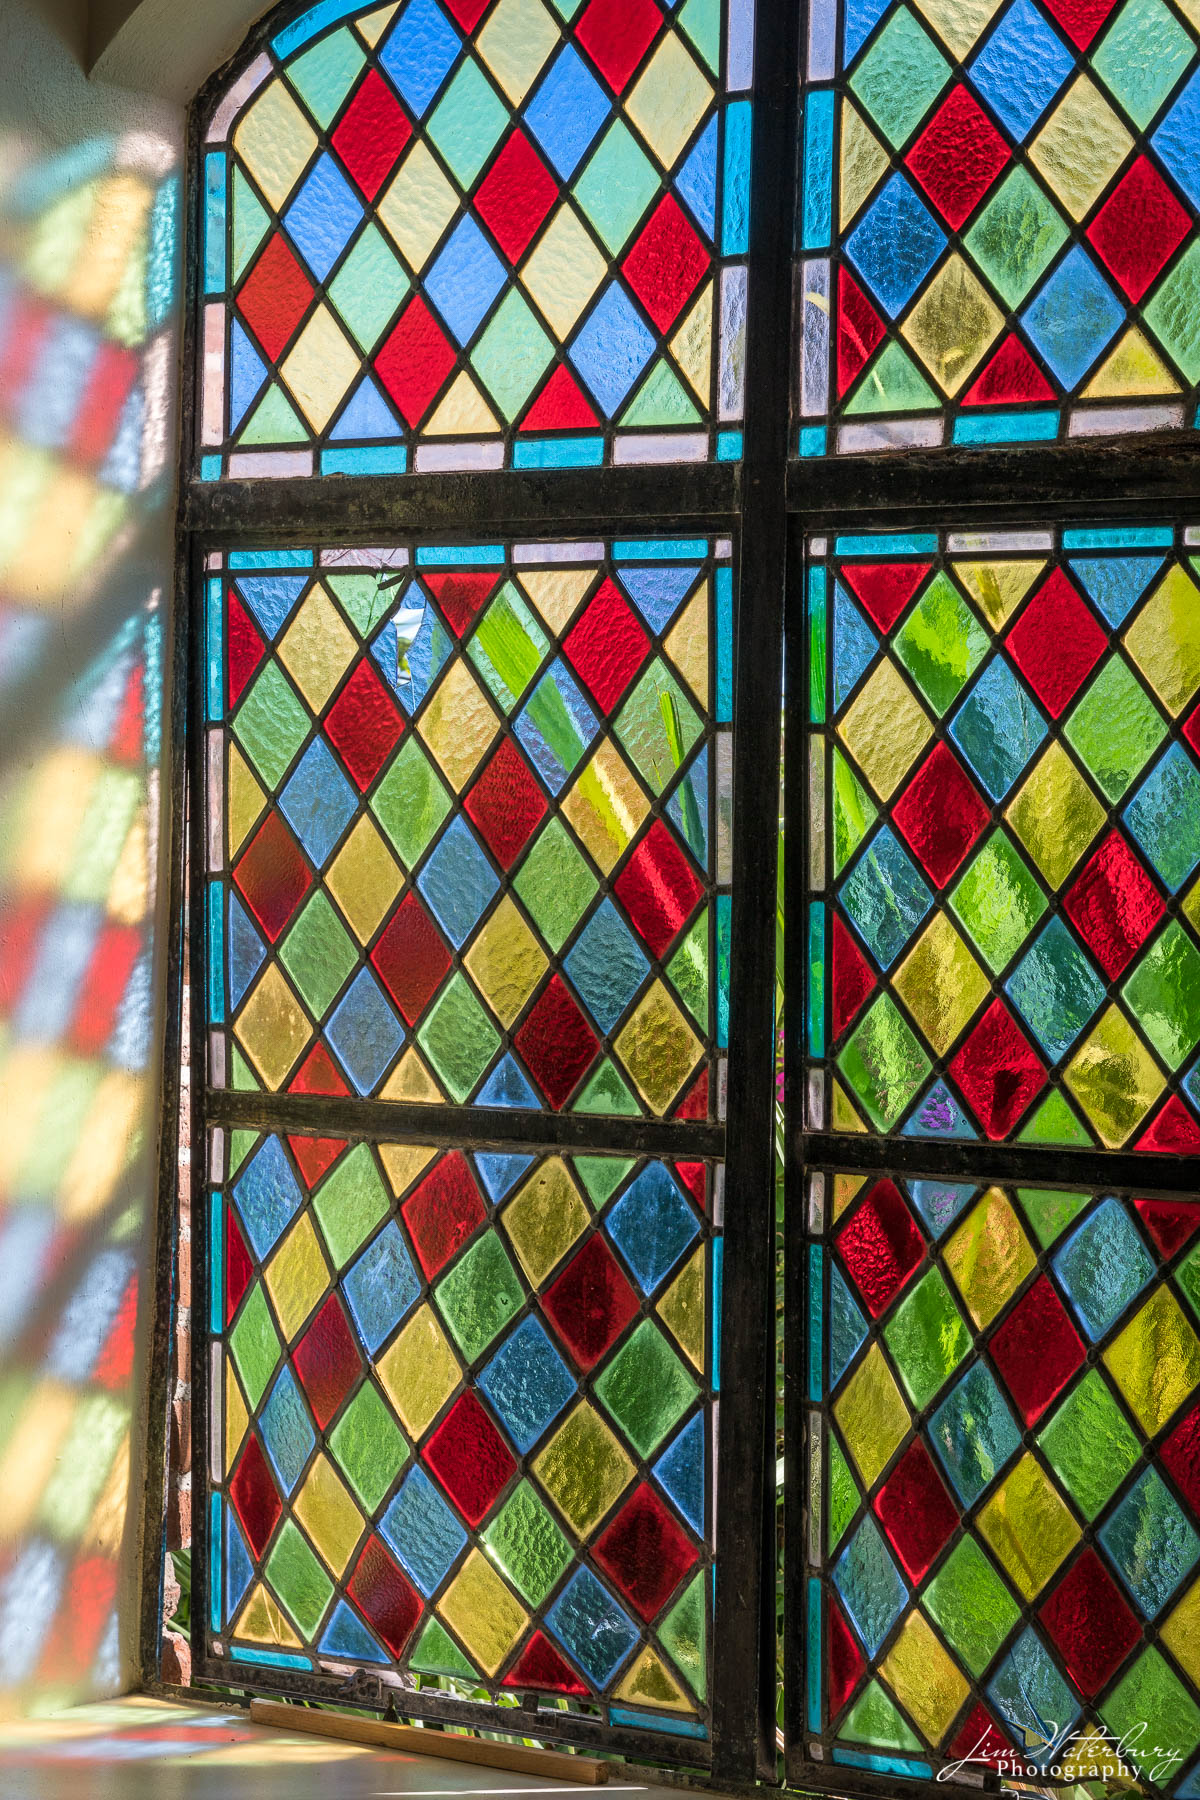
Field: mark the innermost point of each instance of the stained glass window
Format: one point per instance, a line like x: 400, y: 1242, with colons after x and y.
x: 461, y: 1417
x: 997, y: 222
x: 478, y: 235
x: 469, y: 823
x: 1005, y: 823
x: 1004, y: 1521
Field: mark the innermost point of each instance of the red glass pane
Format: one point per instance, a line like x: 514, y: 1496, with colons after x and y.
x: 1037, y: 1350
x: 607, y: 646
x: 442, y: 1212
x: 469, y: 1458
x: 941, y: 814
x: 645, y: 1553
x: 1011, y: 378
x: 1171, y: 1223
x: 916, y: 1511
x: 315, y: 1156
x: 958, y: 156
x: 1056, y: 643
x: 372, y: 133
x: 616, y: 35
x: 692, y: 1177
x: 385, y: 1597
x: 461, y: 593
x: 1181, y: 1458
x: 1089, y: 1624
x: 1080, y: 19
x: 274, y: 297
x: 666, y: 262
x: 591, y: 1303
x: 1138, y: 228
x: 851, y: 977
x: 540, y: 1667
x: 327, y: 1361
x: 1172, y: 1130
x: 845, y: 1660
x: 694, y: 1104
x: 979, y: 1739
x: 860, y: 330
x: 1114, y: 905
x: 243, y: 646
x: 238, y: 1267
x: 411, y: 957
x: 515, y: 195
x: 273, y: 875
x: 506, y: 804
x: 556, y: 1043
x: 885, y: 589
x: 560, y: 406
x: 414, y: 361
x: 364, y: 723
x: 317, y: 1075
x: 255, y: 1500
x: 998, y: 1070
x: 657, y: 888
x: 880, y: 1245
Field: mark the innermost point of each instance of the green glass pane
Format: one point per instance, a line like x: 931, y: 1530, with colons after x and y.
x: 941, y: 643
x: 436, y: 1653
x: 1017, y: 236
x: 900, y: 77
x: 369, y: 1447
x: 1188, y: 1277
x: 555, y: 884
x: 684, y: 1638
x: 658, y: 726
x: 616, y: 186
x: 511, y: 355
x: 458, y: 1037
x: 318, y: 954
x: 508, y: 647
x: 479, y: 1296
x: 843, y: 1495
x: 1050, y: 1212
x: 1089, y: 1444
x: 971, y: 1604
x: 298, y: 1578
x: 271, y: 724
x: 998, y: 900
x: 350, y: 1204
x: 1054, y: 1122
x: 526, y: 1545
x: 1115, y: 728
x: 601, y: 1175
x: 1173, y: 314
x: 606, y: 1091
x: 240, y: 1145
x: 1163, y: 994
x: 467, y: 121
x: 363, y: 598
x: 254, y: 1343
x: 368, y: 288
x: 927, y: 1337
x: 874, y: 1719
x: 854, y: 812
x: 645, y: 1388
x: 1151, y: 1706
x: 688, y: 969
x: 250, y: 223
x: 410, y: 802
x: 884, y: 1063
x: 324, y: 75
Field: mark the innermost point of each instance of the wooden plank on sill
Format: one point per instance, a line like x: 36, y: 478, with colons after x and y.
x: 357, y: 1728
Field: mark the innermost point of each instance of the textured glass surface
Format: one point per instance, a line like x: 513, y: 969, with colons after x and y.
x: 461, y: 1417
x: 468, y: 828
x: 1008, y: 1570
x: 478, y: 234
x: 996, y: 222
x: 1008, y: 940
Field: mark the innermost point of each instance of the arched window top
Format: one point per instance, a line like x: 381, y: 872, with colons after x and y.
x: 477, y: 234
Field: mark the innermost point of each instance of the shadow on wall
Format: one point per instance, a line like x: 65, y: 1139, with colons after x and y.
x: 87, y: 369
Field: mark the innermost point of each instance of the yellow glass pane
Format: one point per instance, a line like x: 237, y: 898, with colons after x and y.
x: 959, y: 23
x: 556, y: 593
x: 1181, y: 1633
x: 275, y: 141
x: 649, y: 1683
x: 872, y: 1415
x: 515, y: 42
x: 236, y: 1415
x: 458, y: 725
x: 364, y: 879
x: 659, y: 1048
x: 418, y: 206
x: 317, y: 648
x: 844, y: 1189
x: 1155, y: 1361
x: 563, y: 271
x: 607, y: 806
x: 1029, y: 1526
x: 483, y: 1611
x: 926, y: 1682
x: 941, y: 983
x: 329, y: 1515
x: 687, y: 644
x: 863, y: 162
x: 463, y: 411
x: 506, y: 962
x: 1133, y: 367
x: 885, y: 729
x: 584, y: 1469
x: 412, y: 1080
x: 691, y: 345
x: 372, y: 27
x: 1164, y: 640
x: 262, y: 1622
x: 272, y: 1029
x: 320, y: 368
x: 419, y: 1372
x: 842, y: 1112
x: 989, y: 1256
x: 1080, y: 147
x: 668, y: 100
x: 1114, y: 1078
x: 244, y: 801
x: 953, y: 324
x: 1055, y: 814
x: 683, y: 1311
x: 296, y: 1276
x: 998, y: 588
x: 544, y: 1218
x: 1190, y: 907
x: 402, y: 1163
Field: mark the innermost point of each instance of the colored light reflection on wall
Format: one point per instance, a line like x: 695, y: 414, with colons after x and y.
x: 87, y: 249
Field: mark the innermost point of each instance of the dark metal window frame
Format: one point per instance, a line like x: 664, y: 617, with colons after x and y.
x: 746, y: 502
